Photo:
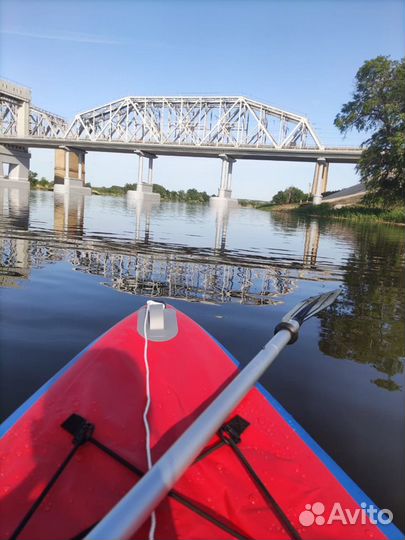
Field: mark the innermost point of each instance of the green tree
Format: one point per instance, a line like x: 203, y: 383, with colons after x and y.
x: 289, y: 196
x: 33, y: 178
x: 163, y: 192
x: 129, y: 186
x: 378, y: 106
x: 43, y: 182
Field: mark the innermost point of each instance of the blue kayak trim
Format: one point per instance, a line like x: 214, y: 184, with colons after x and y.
x: 390, y: 530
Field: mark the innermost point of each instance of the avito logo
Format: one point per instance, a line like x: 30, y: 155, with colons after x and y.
x: 315, y: 514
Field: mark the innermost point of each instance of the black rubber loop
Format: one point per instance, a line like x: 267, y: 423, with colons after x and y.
x: 285, y: 325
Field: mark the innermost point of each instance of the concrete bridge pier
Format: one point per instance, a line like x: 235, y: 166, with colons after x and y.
x: 221, y: 227
x: 144, y: 186
x: 70, y: 171
x: 69, y: 212
x: 14, y: 166
x: 320, y: 181
x: 225, y: 189
x: 311, y: 246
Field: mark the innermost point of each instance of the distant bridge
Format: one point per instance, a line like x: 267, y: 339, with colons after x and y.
x: 229, y: 128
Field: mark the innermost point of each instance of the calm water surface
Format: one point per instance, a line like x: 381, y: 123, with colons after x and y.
x: 72, y: 267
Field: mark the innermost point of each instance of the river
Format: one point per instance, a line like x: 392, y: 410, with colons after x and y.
x: 71, y: 267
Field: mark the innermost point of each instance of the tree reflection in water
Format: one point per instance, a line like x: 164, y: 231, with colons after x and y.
x: 366, y: 324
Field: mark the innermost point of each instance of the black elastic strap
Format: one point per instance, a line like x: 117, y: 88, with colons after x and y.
x: 228, y: 439
x: 185, y: 501
x: 74, y: 425
x: 44, y: 493
x: 82, y: 431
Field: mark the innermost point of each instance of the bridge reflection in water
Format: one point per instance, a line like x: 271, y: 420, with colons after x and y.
x: 143, y: 266
x: 15, y: 256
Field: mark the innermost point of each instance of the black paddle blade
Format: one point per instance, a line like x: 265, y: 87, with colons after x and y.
x: 310, y: 307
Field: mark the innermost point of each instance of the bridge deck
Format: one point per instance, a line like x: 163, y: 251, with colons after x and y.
x: 332, y: 155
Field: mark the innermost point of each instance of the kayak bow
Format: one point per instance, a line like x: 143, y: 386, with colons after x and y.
x: 137, y: 505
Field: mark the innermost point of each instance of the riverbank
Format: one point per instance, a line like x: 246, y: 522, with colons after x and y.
x: 352, y: 213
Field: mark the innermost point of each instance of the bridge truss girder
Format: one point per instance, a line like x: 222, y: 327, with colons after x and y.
x: 41, y: 124
x: 194, y: 121
x: 44, y: 124
x: 8, y: 116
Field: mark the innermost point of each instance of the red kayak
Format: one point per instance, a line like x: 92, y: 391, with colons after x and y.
x: 76, y: 447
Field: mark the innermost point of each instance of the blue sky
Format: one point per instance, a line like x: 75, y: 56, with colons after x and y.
x: 300, y: 55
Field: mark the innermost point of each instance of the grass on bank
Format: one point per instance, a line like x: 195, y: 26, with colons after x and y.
x: 354, y: 213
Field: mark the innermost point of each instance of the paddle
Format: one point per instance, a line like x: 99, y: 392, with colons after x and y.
x: 136, y: 506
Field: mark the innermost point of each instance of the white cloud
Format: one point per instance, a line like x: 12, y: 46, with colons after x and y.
x: 76, y: 37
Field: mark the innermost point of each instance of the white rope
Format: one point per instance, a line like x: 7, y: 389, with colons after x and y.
x: 152, y: 528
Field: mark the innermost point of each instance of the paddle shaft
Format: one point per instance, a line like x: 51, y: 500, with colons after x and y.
x: 135, y: 507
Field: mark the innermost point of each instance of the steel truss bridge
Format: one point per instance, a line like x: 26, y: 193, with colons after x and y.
x: 194, y: 126
x: 229, y: 128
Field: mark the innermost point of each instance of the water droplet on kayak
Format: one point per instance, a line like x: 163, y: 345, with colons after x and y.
x: 252, y: 499
x: 220, y: 467
x: 47, y: 507
x: 19, y: 453
x: 6, y: 489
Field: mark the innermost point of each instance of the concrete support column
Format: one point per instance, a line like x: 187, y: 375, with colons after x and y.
x: 325, y: 174
x: 229, y: 178
x: 225, y: 189
x: 81, y: 172
x: 14, y: 166
x: 144, y: 186
x: 150, y: 170
x: 140, y: 170
x: 149, y: 178
x: 70, y: 171
x: 320, y: 179
x: 67, y: 168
